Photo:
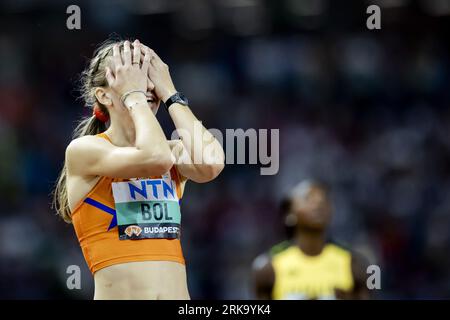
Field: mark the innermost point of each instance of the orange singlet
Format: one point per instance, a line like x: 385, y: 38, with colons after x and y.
x: 95, y: 224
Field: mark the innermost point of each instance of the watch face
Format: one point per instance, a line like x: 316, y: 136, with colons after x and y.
x: 182, y: 99
x: 177, y: 98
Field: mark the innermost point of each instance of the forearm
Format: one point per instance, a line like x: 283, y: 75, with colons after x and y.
x: 195, y: 137
x: 150, y: 137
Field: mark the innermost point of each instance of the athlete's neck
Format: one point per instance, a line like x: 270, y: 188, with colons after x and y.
x: 121, y: 134
x: 311, y: 242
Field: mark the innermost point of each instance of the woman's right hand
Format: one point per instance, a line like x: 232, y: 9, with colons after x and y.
x: 125, y: 72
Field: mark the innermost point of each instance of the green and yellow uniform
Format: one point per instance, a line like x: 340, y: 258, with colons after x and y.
x: 299, y: 276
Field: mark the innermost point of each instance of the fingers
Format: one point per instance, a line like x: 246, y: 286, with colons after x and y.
x: 157, y: 58
x: 126, y: 53
x: 144, y: 49
x: 109, y: 76
x: 146, y: 61
x: 154, y: 56
x: 117, y: 60
x: 136, y: 52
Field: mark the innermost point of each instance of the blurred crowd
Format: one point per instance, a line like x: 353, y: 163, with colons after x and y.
x: 365, y: 111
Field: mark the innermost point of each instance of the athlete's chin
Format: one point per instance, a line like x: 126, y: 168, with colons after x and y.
x: 315, y: 224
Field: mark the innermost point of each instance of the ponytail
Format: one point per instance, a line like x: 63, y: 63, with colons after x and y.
x: 87, y: 126
x: 94, y: 76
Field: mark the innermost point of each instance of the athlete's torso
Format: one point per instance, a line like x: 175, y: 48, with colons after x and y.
x: 126, y: 266
x: 299, y: 276
x: 149, y: 280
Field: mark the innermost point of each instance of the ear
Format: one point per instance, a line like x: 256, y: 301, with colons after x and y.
x: 103, y: 96
x: 291, y: 220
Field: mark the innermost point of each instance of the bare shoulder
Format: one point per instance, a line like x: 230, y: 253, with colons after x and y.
x: 359, y: 266
x: 263, y: 276
x: 85, y: 144
x: 84, y: 150
x: 262, y: 269
x: 359, y: 271
x: 86, y: 141
x: 262, y: 263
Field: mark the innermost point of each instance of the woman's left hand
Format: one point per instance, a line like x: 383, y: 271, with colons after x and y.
x: 159, y: 74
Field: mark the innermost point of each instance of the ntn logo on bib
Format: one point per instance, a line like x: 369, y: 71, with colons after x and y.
x: 145, y: 190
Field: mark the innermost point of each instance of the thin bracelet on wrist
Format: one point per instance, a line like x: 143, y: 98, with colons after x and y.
x: 126, y: 94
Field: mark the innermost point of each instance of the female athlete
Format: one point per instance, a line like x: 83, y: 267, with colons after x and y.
x: 122, y: 180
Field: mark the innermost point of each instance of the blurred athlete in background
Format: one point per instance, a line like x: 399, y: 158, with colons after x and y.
x: 122, y: 179
x: 307, y: 266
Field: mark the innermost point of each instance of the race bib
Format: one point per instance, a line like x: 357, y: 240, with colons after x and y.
x: 147, y: 209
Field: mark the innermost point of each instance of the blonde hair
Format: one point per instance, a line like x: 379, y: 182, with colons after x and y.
x: 92, y: 77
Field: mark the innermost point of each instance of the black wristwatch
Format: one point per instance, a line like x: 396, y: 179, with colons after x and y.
x: 176, y: 98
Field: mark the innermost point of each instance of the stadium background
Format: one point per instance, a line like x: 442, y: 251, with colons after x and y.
x: 366, y: 111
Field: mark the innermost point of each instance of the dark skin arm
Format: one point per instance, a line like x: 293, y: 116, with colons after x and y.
x: 360, y: 290
x: 263, y: 277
